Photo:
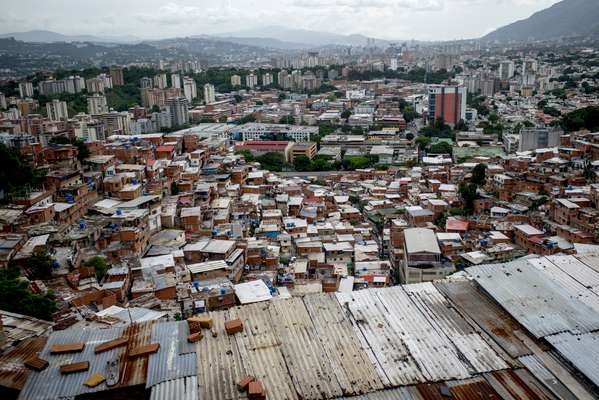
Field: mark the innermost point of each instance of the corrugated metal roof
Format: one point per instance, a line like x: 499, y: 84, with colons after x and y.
x: 304, y: 355
x: 18, y: 327
x: 517, y: 384
x: 133, y: 371
x: 432, y: 350
x: 403, y: 393
x: 167, y: 364
x: 350, y: 362
x: 260, y: 351
x: 13, y: 373
x: 393, y: 361
x: 441, y: 314
x: 581, y: 350
x: 219, y: 363
x: 539, y: 303
x: 539, y: 371
x: 179, y: 389
x: 487, y: 315
x: 51, y: 384
x: 574, y: 288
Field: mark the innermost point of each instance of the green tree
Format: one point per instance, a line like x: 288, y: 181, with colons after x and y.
x: 99, y: 265
x: 468, y: 192
x: 247, y: 155
x: 272, y: 161
x: 16, y: 297
x: 345, y: 114
x: 479, y: 174
x: 15, y: 172
x: 423, y: 142
x: 287, y: 120
x: 302, y: 163
x: 40, y: 264
x: 174, y: 189
x: 441, y: 148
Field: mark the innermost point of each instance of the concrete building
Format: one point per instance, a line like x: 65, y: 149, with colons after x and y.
x: 506, y: 70
x: 57, y: 110
x: 96, y: 104
x: 116, y: 73
x: 251, y: 80
x: 176, y: 81
x: 447, y: 102
x: 178, y: 108
x: 267, y: 79
x: 422, y: 257
x: 235, y: 80
x: 190, y: 89
x: 538, y: 138
x: 25, y: 89
x: 209, y: 95
x: 160, y: 81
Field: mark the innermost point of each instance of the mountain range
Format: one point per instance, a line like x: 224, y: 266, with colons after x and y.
x: 564, y: 19
x: 40, y: 36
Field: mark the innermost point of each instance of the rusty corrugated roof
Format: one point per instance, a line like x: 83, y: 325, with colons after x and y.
x: 13, y: 372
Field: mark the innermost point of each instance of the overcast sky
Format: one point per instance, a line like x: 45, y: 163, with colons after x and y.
x: 385, y: 19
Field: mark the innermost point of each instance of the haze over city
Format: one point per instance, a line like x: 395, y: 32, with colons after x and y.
x: 155, y: 19
x: 299, y: 200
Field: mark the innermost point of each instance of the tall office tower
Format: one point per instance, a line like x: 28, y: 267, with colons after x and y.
x: 96, y: 104
x: 160, y: 81
x: 145, y: 83
x: 447, y: 102
x: 95, y: 85
x: 235, y: 80
x: 25, y: 89
x: 393, y: 64
x: 506, y: 70
x: 116, y: 73
x: 190, y: 88
x: 209, y: 95
x: 267, y: 79
x: 176, y: 81
x: 57, y: 110
x: 178, y: 109
x: 251, y: 80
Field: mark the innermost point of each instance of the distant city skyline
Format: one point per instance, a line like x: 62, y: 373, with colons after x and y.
x: 383, y: 19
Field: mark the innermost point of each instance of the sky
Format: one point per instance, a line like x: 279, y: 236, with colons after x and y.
x: 154, y: 19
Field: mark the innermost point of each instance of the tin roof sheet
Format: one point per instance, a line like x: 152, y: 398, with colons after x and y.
x: 167, y: 363
x: 538, y: 302
x: 581, y: 350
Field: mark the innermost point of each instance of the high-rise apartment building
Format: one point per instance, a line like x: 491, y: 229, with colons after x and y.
x: 160, y: 81
x: 190, y: 89
x: 97, y: 104
x: 57, y: 110
x: 235, y: 80
x: 145, y: 82
x: 267, y: 79
x: 209, y: 95
x: 116, y: 73
x: 447, y: 103
x: 176, y: 81
x: 178, y: 109
x: 25, y: 89
x: 3, y: 101
x: 95, y: 85
x: 506, y: 70
x: 251, y: 80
